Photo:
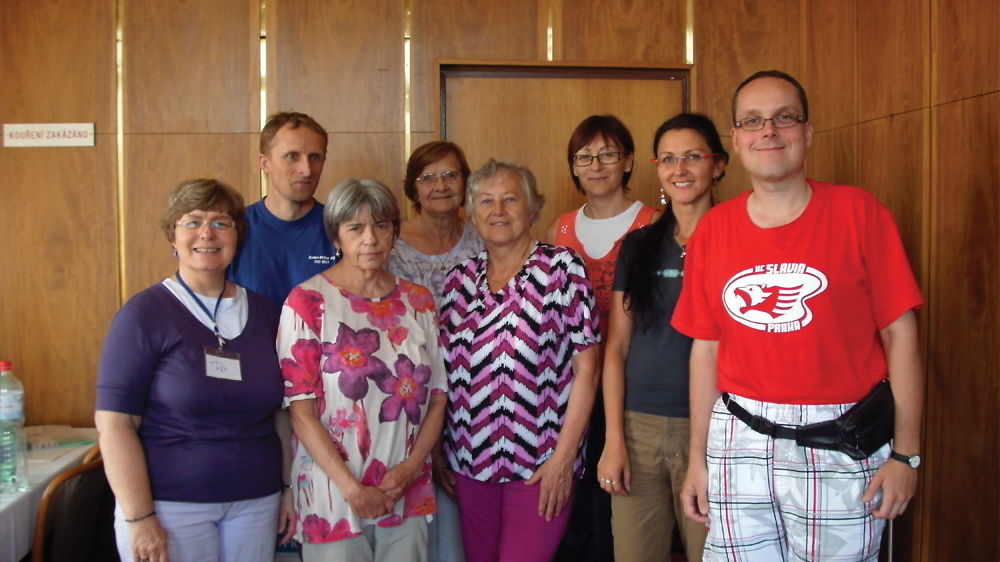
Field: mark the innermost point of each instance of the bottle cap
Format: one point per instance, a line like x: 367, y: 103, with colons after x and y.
x: 6, y: 366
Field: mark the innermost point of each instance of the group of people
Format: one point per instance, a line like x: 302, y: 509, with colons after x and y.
x: 456, y: 390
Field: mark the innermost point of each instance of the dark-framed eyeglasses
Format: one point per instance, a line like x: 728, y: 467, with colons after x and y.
x: 690, y: 159
x: 781, y: 121
x: 582, y: 160
x: 449, y: 177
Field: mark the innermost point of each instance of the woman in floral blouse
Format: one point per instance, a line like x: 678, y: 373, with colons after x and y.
x: 364, y: 380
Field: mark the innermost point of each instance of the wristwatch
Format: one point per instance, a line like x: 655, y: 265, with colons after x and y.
x: 911, y: 461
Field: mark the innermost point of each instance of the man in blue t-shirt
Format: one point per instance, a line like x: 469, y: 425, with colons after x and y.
x: 286, y: 242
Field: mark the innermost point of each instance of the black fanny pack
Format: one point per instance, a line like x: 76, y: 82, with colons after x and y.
x: 858, y: 433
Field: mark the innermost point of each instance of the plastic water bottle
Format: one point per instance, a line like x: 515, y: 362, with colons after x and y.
x: 13, y: 445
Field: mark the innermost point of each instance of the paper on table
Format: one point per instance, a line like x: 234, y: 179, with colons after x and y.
x: 48, y: 436
x: 45, y: 455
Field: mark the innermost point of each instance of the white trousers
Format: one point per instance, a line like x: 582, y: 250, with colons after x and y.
x: 242, y: 531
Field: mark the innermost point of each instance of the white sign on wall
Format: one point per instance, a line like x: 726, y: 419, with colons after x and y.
x: 48, y: 134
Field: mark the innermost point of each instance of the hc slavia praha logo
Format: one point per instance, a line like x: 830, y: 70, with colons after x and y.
x: 772, y: 297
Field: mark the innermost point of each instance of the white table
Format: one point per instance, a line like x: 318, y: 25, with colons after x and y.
x: 18, y: 511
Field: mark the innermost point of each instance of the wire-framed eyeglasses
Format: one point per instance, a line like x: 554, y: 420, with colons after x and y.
x: 690, y: 159
x: 450, y: 177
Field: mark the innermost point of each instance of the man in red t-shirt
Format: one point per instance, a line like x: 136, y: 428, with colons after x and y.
x: 800, y: 299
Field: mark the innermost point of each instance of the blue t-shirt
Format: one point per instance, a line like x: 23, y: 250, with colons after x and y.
x: 279, y: 254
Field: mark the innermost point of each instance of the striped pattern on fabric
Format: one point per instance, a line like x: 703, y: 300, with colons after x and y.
x: 509, y: 361
x: 772, y: 500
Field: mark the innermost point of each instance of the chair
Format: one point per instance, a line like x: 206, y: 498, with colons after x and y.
x: 76, y: 516
x: 92, y: 455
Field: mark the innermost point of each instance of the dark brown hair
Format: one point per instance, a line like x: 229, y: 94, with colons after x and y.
x: 641, y: 297
x: 293, y: 120
x: 424, y: 156
x: 608, y: 127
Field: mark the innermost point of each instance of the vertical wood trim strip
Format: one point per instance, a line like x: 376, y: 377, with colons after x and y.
x: 120, y: 145
x: 554, y: 39
x: 930, y: 277
x: 689, y: 33
x: 407, y: 69
x: 262, y: 185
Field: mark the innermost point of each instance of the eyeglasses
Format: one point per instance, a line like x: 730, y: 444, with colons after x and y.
x: 781, y: 121
x: 217, y: 225
x: 690, y: 159
x: 449, y: 177
x: 582, y: 160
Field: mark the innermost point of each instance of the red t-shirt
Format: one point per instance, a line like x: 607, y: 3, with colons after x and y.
x: 797, y: 309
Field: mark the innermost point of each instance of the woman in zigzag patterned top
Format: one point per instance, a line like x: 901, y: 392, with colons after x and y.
x: 519, y: 326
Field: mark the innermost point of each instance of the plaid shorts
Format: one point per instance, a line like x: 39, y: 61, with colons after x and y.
x: 771, y: 500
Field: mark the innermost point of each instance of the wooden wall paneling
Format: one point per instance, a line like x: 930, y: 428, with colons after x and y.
x: 830, y: 62
x: 156, y: 164
x: 59, y: 280
x: 339, y: 61
x: 477, y: 107
x: 466, y: 29
x: 58, y: 63
x: 625, y: 32
x: 893, y: 61
x: 363, y: 155
x: 960, y: 497
x: 833, y: 156
x: 966, y: 48
x: 737, y: 179
x: 191, y: 67
x: 734, y: 39
x: 893, y: 159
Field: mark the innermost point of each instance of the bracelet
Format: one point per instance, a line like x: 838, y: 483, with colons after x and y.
x: 286, y: 486
x: 137, y: 519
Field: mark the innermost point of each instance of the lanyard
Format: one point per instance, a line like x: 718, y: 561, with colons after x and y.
x: 211, y: 316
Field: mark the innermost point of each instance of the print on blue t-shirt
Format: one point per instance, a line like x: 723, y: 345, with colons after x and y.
x: 279, y: 254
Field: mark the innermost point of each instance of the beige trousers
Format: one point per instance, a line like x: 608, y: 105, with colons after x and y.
x: 643, y: 521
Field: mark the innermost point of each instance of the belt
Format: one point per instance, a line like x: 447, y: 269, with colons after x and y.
x: 757, y: 423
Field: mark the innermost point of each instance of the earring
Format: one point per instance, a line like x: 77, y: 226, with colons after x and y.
x: 337, y: 254
x: 176, y: 255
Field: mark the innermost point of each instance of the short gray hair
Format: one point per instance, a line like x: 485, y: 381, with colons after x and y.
x: 495, y: 168
x: 350, y: 196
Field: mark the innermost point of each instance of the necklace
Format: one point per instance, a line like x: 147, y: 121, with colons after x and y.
x: 683, y: 247
x: 502, y: 280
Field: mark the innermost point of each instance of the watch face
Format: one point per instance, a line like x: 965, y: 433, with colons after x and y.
x: 914, y: 461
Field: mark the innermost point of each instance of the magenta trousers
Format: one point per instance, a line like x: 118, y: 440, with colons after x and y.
x: 500, y: 522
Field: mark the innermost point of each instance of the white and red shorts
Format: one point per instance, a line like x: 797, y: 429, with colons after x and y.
x: 771, y: 500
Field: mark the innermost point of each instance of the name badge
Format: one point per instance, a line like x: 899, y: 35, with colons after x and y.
x: 221, y: 364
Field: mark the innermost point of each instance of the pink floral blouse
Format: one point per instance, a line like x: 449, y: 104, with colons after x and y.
x: 372, y: 365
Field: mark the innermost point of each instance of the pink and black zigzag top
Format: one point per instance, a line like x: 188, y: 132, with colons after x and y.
x: 509, y: 361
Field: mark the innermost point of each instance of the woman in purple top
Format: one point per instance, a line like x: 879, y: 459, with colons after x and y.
x: 520, y: 332
x: 187, y: 390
